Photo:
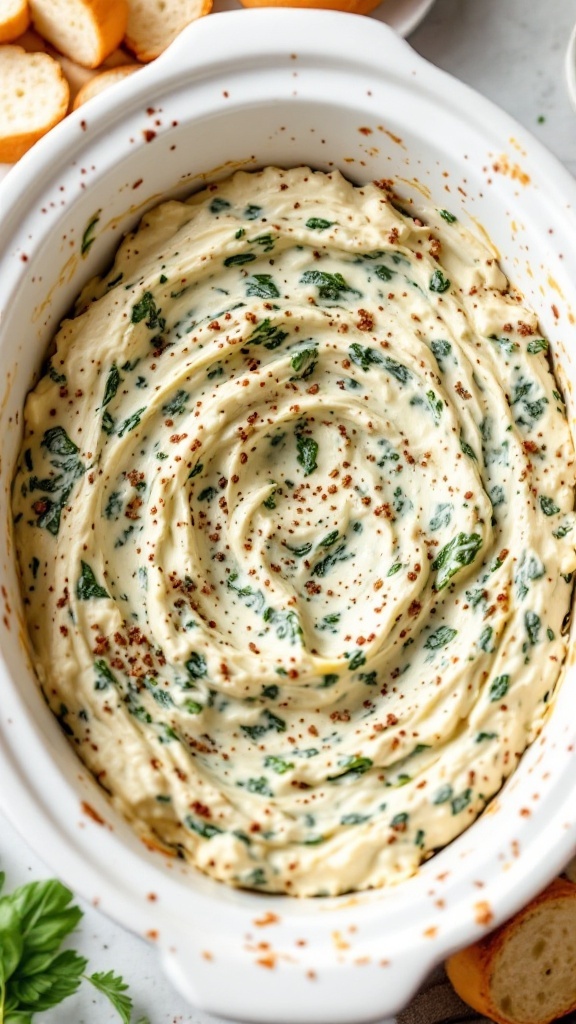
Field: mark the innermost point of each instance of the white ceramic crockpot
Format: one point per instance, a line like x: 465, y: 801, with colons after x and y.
x: 246, y: 89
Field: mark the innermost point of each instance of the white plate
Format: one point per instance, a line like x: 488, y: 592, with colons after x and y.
x: 401, y: 15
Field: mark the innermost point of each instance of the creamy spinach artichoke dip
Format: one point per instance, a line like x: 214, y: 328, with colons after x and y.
x: 294, y: 520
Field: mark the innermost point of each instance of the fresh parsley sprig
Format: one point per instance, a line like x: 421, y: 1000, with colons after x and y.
x: 35, y: 973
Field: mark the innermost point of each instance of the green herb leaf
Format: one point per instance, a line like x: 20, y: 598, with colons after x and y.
x: 319, y: 224
x: 268, y: 723
x: 277, y: 764
x: 460, y: 551
x: 11, y: 942
x: 439, y: 283
x: 36, y: 918
x: 436, y: 405
x: 146, y: 309
x: 87, y: 586
x: 352, y: 766
x: 262, y: 286
x: 331, y: 287
x: 356, y: 659
x: 57, y: 442
x: 548, y: 506
x: 301, y: 550
x: 286, y: 624
x: 485, y: 640
x: 505, y: 344
x: 18, y: 1017
x: 202, y: 828
x: 533, y: 624
x: 499, y: 687
x: 268, y: 334
x: 64, y: 452
x: 448, y: 217
x: 252, y: 212
x: 440, y: 637
x: 441, y: 349
x: 307, y: 453
x: 207, y: 494
x: 267, y: 241
x: 397, y: 370
x: 104, y: 675
x: 88, y: 236
x: 218, y: 205
x: 176, y: 405
x: 443, y: 794
x: 112, y: 384
x: 364, y: 357
x: 442, y: 515
x: 114, y: 988
x: 461, y: 801
x: 303, y: 362
x: 196, y: 665
x: 354, y: 818
x: 42, y: 983
x: 338, y: 554
x: 467, y: 449
x: 537, y: 345
x: 239, y: 259
x: 330, y: 539
x: 131, y: 421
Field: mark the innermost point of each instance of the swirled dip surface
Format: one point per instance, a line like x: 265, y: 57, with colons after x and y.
x: 294, y: 518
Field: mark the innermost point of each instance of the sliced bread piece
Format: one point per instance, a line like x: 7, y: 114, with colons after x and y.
x: 100, y: 82
x: 84, y: 30
x: 525, y: 971
x: 14, y: 19
x: 154, y: 24
x: 33, y: 97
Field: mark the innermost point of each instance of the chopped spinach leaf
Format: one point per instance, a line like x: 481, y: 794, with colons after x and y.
x: 440, y: 637
x: 460, y: 551
x: 438, y: 283
x: 87, y: 586
x: 262, y: 286
x: 499, y: 687
x: 319, y: 224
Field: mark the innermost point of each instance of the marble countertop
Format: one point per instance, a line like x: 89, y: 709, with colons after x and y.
x: 511, y: 51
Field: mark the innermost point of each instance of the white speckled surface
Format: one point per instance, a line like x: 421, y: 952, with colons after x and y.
x: 512, y: 52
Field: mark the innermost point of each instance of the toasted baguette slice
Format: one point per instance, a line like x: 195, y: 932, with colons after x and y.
x: 154, y: 24
x: 84, y: 30
x: 102, y: 81
x: 14, y: 19
x: 33, y: 97
x: 525, y: 971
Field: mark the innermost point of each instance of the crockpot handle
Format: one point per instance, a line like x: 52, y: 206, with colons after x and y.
x: 279, y: 40
x: 254, y: 979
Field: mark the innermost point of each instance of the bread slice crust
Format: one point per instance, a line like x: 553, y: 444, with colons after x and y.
x: 14, y: 19
x: 87, y: 31
x: 34, y: 96
x: 153, y: 25
x: 525, y: 971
